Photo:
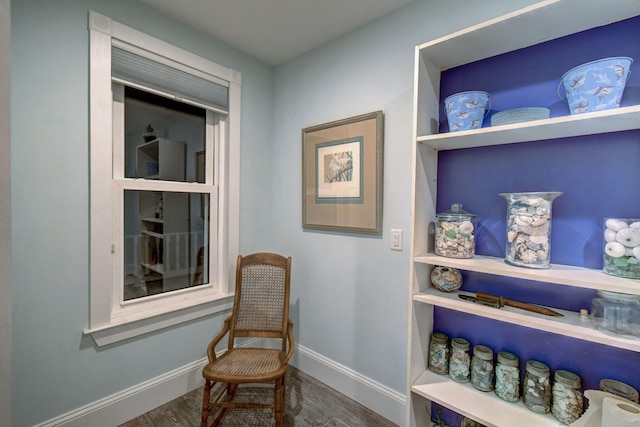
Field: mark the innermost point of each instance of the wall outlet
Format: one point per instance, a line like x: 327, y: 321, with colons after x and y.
x: 396, y: 240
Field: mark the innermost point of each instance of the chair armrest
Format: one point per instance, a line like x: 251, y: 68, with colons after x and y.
x: 211, y: 348
x: 291, y: 341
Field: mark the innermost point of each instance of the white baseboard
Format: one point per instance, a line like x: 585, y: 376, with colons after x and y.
x: 375, y: 396
x: 130, y: 403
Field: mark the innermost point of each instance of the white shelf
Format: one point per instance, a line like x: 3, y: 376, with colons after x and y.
x: 484, y: 407
x: 558, y: 273
x: 543, y: 21
x: 155, y: 220
x: 153, y: 234
x: 619, y: 119
x: 158, y: 268
x: 570, y: 325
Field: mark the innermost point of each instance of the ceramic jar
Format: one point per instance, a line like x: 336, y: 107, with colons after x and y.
x: 460, y: 360
x: 529, y: 228
x: 567, y: 397
x: 622, y: 247
x: 482, y: 368
x: 455, y: 233
x: 439, y: 353
x: 616, y: 313
x: 508, y: 377
x: 536, y: 389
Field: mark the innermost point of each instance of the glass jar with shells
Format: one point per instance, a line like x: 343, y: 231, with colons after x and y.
x: 529, y: 228
x: 455, y: 233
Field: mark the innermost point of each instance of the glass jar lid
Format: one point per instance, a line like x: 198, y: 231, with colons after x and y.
x: 456, y: 213
x: 483, y: 352
x: 537, y: 368
x: 619, y: 297
x: 620, y: 389
x: 439, y: 338
x: 460, y: 344
x: 508, y: 359
x: 568, y: 378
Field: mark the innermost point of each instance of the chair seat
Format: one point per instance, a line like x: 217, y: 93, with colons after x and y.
x: 245, y: 365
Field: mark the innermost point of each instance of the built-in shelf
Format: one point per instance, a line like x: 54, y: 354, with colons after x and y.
x: 558, y: 274
x: 542, y: 21
x: 571, y: 324
x: 155, y: 220
x: 484, y: 407
x: 619, y: 119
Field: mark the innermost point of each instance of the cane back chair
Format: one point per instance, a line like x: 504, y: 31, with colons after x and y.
x: 260, y: 311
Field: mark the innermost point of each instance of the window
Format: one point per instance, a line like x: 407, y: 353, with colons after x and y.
x: 164, y: 149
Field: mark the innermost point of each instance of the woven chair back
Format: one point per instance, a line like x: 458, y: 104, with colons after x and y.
x: 261, y: 307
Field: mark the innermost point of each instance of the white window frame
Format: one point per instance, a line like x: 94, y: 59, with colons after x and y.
x: 111, y: 318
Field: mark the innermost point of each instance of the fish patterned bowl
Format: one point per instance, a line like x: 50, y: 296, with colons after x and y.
x: 596, y: 85
x: 466, y: 110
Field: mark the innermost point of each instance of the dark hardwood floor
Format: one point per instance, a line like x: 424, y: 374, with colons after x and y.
x: 308, y: 402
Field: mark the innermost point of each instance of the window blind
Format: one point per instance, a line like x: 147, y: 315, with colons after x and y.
x: 157, y: 76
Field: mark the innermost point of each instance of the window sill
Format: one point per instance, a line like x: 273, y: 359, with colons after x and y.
x: 116, y: 332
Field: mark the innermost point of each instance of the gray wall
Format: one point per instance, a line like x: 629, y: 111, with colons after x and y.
x: 53, y: 364
x: 352, y: 292
x: 349, y: 292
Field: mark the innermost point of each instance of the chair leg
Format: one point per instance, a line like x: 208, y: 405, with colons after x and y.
x: 205, y: 403
x: 279, y: 401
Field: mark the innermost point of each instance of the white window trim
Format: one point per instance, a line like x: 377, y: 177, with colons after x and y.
x: 110, y: 320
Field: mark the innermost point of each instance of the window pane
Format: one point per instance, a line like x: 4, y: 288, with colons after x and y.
x: 165, y: 242
x: 162, y: 137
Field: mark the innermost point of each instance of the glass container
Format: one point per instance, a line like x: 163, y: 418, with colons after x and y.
x: 455, y: 233
x: 439, y: 353
x: 460, y: 360
x: 446, y: 279
x: 617, y: 314
x: 529, y: 228
x: 567, y: 397
x: 622, y: 247
x: 536, y: 390
x: 508, y: 377
x: 619, y: 389
x: 482, y: 368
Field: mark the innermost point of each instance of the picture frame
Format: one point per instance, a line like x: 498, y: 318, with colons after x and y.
x: 342, y: 172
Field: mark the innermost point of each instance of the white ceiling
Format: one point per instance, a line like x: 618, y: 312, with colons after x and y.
x: 275, y: 31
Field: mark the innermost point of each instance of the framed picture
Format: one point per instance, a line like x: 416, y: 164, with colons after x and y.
x: 342, y: 175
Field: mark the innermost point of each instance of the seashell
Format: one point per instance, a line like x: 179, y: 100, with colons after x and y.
x: 636, y: 252
x: 614, y: 249
x: 615, y: 224
x: 529, y: 256
x: 609, y: 235
x: 538, y: 222
x: 629, y: 237
x: 523, y: 220
x: 539, y: 240
x: 511, y: 236
x: 628, y: 251
x: 635, y: 224
x: 466, y: 227
x: 542, y: 255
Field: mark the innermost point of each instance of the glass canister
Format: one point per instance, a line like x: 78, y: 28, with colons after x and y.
x: 616, y: 313
x: 439, y: 353
x: 508, y: 377
x: 529, y: 228
x: 536, y: 390
x: 622, y: 247
x: 619, y: 389
x: 455, y: 233
x: 446, y: 279
x: 567, y: 397
x: 460, y: 360
x: 482, y: 368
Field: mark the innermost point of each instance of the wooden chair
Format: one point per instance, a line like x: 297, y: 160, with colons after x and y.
x: 260, y: 311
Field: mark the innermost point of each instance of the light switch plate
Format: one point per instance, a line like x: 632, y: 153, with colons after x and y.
x: 396, y: 240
